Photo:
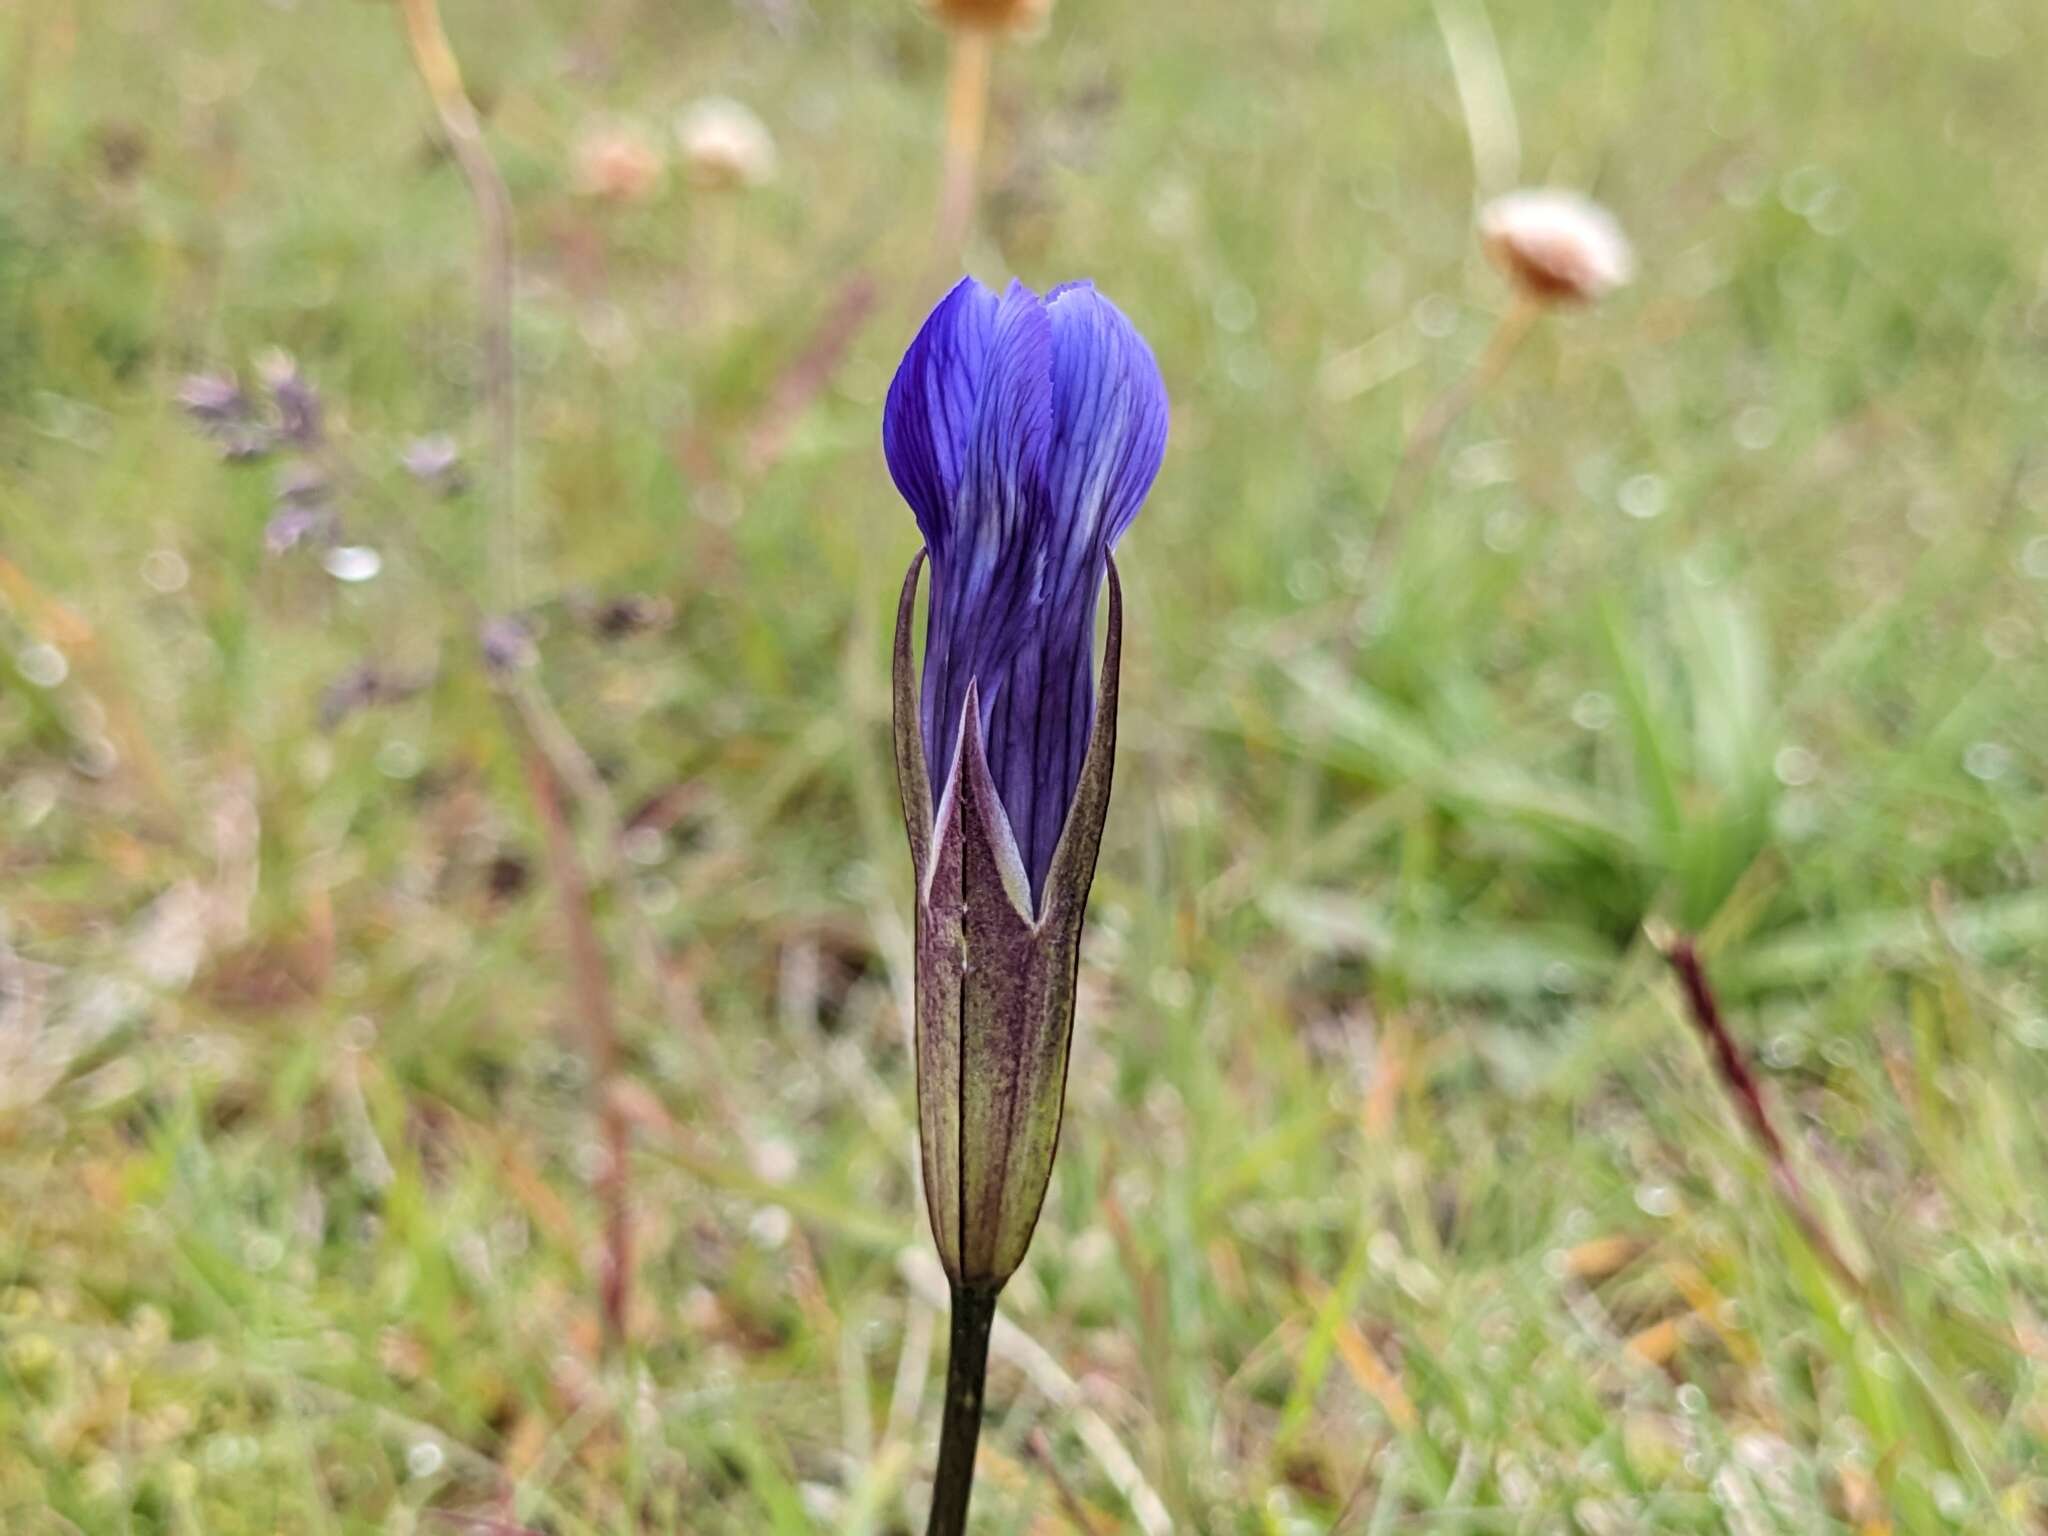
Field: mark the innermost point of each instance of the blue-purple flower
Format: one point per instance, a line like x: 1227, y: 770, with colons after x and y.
x: 1024, y: 432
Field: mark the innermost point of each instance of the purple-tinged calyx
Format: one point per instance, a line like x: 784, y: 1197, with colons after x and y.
x: 1025, y: 433
x: 995, y: 983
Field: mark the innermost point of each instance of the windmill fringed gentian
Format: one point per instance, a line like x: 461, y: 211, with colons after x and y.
x: 1024, y: 431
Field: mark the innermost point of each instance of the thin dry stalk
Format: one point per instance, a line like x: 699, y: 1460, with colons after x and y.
x: 542, y: 756
x: 1155, y: 1342
x: 1070, y: 1502
x: 1419, y: 454
x: 497, y: 274
x: 806, y: 378
x: 544, y: 726
x: 592, y: 983
x: 966, y: 127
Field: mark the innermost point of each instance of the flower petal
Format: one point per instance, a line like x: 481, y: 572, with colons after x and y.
x: 987, y: 570
x: 1108, y: 440
x: 1109, y: 435
x: 928, y: 422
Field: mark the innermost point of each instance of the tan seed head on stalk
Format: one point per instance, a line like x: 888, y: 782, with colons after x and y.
x: 1556, y: 246
x: 993, y: 15
x: 725, y: 145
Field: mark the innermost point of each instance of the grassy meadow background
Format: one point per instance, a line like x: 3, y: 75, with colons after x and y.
x: 1395, y: 1195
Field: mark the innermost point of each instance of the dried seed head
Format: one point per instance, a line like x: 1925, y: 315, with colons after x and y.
x: 725, y: 145
x: 993, y: 15
x: 1557, y: 247
x: 618, y: 164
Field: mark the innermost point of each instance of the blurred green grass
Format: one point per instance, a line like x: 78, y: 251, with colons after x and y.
x: 1394, y: 1196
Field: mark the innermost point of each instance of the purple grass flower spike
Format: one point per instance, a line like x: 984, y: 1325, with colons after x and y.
x: 1024, y: 432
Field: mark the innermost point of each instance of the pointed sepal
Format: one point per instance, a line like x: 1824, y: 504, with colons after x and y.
x: 995, y: 997
x: 913, y: 779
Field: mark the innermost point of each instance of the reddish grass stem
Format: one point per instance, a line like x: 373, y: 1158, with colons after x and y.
x: 1739, y: 1082
x: 1419, y: 453
x: 497, y: 275
x: 592, y: 984
x: 1070, y: 1502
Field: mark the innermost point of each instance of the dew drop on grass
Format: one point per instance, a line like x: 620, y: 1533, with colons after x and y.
x: 1484, y: 464
x: 1950, y: 1497
x: 1383, y: 1250
x: 1234, y: 308
x: 1593, y: 711
x: 43, y: 665
x: 1987, y: 761
x: 353, y: 562
x: 591, y: 1160
x: 1744, y: 182
x: 1692, y: 1399
x: 644, y: 845
x: 775, y: 1159
x: 1643, y: 497
x: 1307, y: 581
x: 95, y: 757
x: 1795, y: 766
x: 1832, y: 212
x: 164, y: 570
x: 1250, y: 370
x: 399, y: 760
x: 1505, y: 529
x: 1784, y: 1051
x: 1806, y: 190
x: 263, y: 1251
x: 1657, y: 1199
x: 1756, y: 429
x: 1435, y: 316
x: 425, y: 1459
x: 2034, y: 558
x: 1172, y: 988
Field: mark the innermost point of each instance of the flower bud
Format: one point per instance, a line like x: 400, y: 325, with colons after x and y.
x: 1557, y: 247
x: 995, y: 983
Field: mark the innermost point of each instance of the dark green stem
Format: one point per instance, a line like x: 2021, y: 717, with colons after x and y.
x: 974, y: 1315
